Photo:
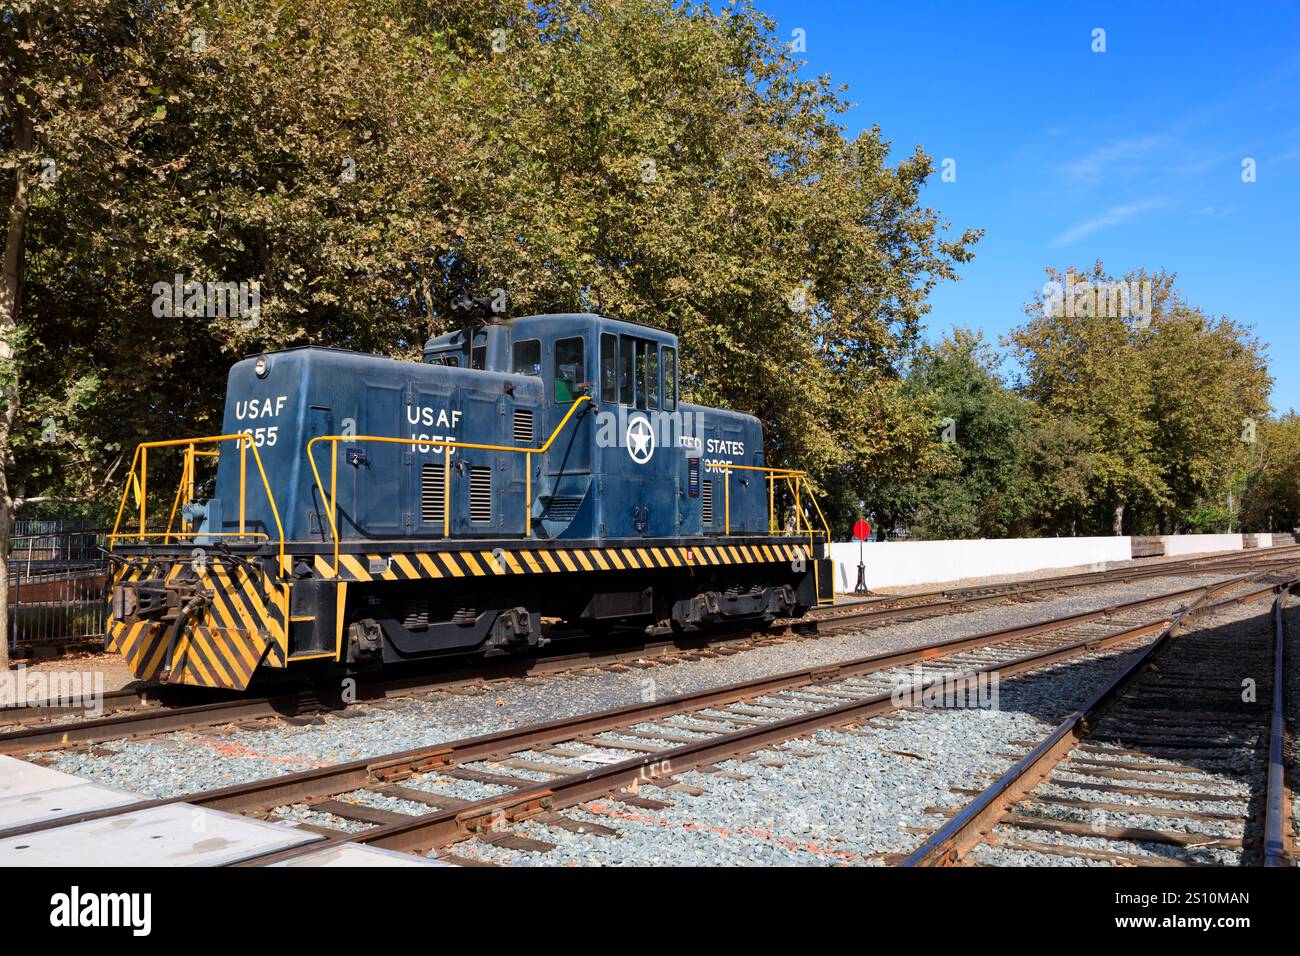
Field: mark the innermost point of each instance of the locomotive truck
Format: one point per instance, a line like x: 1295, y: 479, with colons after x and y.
x: 530, y: 477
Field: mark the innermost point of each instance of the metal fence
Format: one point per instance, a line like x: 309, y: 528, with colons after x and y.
x: 58, y: 585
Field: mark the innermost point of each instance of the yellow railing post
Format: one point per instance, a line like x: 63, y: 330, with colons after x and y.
x: 243, y: 467
x: 334, y: 501
x: 726, y: 497
x: 528, y: 495
x: 189, y: 485
x: 144, y: 485
x: 446, y: 492
x: 771, y: 504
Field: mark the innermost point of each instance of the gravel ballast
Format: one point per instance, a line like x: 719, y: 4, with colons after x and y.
x: 860, y: 799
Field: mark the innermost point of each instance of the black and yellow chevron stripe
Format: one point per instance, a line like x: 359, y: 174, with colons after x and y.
x: 241, y: 626
x: 217, y: 657
x: 143, y: 644
x: 466, y: 562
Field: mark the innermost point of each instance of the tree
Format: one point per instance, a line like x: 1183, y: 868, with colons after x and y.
x: 1056, y: 471
x: 1271, y: 499
x: 1161, y: 389
x: 981, y: 423
x: 666, y: 164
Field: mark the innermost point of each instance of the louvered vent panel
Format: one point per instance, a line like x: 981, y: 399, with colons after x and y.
x: 480, y: 495
x: 706, y: 502
x: 431, y: 490
x: 523, y: 426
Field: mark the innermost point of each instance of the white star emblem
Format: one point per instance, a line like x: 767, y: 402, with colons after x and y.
x: 640, y: 440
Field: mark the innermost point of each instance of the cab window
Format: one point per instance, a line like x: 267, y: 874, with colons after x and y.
x: 478, y: 356
x: 608, y: 368
x: 627, y: 384
x: 527, y: 357
x: 638, y: 373
x: 651, y: 375
x: 670, y: 378
x: 568, y: 369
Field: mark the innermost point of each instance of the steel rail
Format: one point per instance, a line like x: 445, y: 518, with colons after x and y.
x: 322, y: 782
x: 1277, y: 799
x: 947, y: 845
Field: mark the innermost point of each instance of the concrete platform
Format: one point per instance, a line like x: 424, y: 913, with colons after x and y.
x: 177, y: 834
x: 31, y: 794
x: 352, y: 854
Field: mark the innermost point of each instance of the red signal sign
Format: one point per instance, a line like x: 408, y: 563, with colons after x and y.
x: 861, y: 530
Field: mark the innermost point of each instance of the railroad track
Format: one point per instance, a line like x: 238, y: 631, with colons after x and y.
x: 1140, y: 777
x: 156, y: 709
x: 548, y: 768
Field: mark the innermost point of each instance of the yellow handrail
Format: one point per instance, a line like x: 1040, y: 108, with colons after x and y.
x: 800, y: 479
x: 331, y: 510
x: 141, y: 458
x: 795, y: 480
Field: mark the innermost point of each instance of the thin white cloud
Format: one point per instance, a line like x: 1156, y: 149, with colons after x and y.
x: 1097, y: 164
x: 1113, y: 216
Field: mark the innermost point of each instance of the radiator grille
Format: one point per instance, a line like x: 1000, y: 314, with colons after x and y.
x: 431, y: 489
x: 480, y: 495
x: 523, y: 426
x: 706, y: 501
x: 562, y: 509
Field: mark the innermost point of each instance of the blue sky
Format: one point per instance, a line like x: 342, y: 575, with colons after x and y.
x: 1064, y: 156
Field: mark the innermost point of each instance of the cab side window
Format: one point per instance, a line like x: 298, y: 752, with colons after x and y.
x: 652, y: 375
x: 608, y: 368
x: 627, y: 384
x: 670, y: 378
x: 569, y: 369
x: 527, y: 357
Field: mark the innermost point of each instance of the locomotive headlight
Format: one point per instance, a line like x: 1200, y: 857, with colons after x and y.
x: 261, y: 368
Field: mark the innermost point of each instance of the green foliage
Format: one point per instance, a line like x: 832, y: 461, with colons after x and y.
x: 1163, y: 397
x: 1272, y: 476
x: 978, y: 494
x: 366, y: 160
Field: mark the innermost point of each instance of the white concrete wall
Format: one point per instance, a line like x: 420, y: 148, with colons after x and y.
x: 1200, y: 543
x: 901, y: 563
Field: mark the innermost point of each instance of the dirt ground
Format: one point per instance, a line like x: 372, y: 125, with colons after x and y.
x: 116, y: 674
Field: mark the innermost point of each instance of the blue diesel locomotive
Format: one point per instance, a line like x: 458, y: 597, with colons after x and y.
x: 528, y: 476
